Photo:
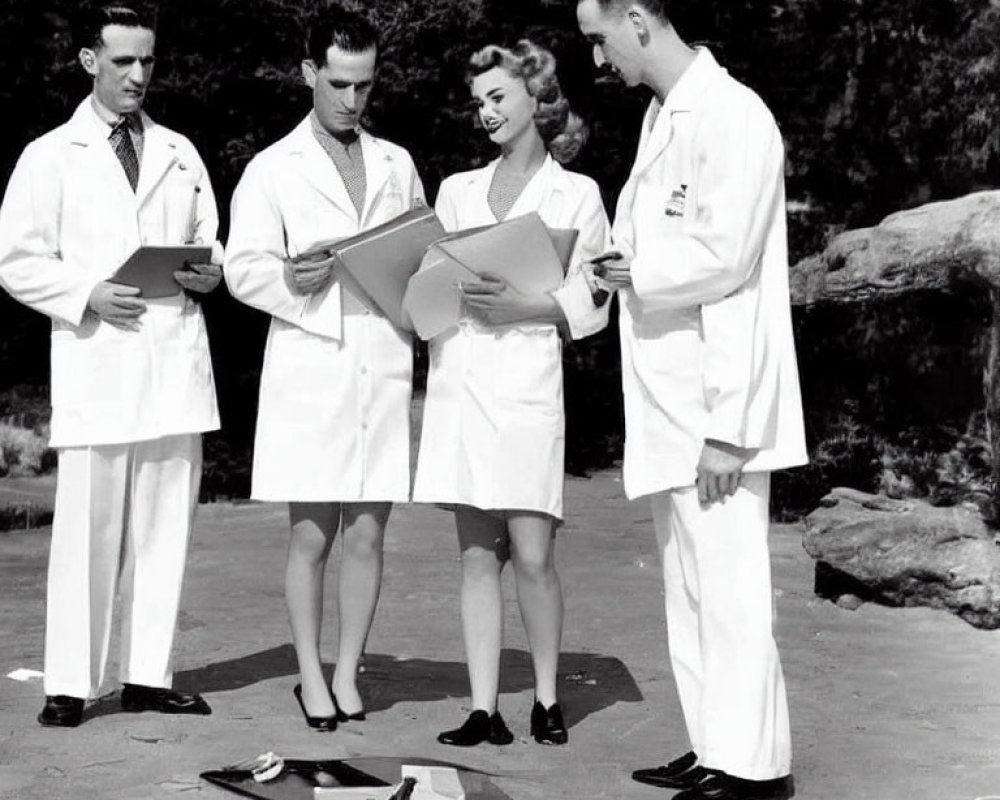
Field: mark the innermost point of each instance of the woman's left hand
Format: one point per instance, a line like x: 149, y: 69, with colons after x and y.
x: 492, y: 300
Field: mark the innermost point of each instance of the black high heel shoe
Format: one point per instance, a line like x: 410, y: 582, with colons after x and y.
x: 479, y: 727
x: 319, y: 723
x: 547, y: 724
x: 343, y: 716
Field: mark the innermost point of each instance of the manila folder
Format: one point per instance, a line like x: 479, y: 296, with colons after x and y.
x: 151, y: 269
x: 382, y: 259
x: 564, y: 240
x: 433, y: 300
x: 520, y: 250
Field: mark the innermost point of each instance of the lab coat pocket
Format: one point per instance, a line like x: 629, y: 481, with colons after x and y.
x: 529, y: 369
x: 180, y: 198
x: 668, y: 344
x: 89, y: 371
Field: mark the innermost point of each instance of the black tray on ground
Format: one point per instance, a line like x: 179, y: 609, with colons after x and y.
x: 296, y: 781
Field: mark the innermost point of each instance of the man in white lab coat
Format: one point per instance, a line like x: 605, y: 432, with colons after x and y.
x: 333, y: 422
x: 132, y: 386
x: 711, y: 386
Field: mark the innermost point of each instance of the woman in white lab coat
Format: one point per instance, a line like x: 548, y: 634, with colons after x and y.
x: 493, y: 431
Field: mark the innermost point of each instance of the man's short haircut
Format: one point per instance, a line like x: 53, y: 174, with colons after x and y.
x: 658, y: 8
x: 94, y: 20
x: 343, y: 28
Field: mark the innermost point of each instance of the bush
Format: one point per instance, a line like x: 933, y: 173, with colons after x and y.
x: 226, y: 471
x: 23, y: 452
x: 850, y: 455
x: 24, y: 516
x: 26, y: 406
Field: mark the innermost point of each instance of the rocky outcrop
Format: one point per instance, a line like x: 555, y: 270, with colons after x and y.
x: 905, y: 553
x: 935, y: 246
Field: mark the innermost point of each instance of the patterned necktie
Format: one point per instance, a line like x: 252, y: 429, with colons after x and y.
x: 121, y: 141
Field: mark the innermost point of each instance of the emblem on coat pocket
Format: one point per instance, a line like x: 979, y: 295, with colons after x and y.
x: 677, y: 201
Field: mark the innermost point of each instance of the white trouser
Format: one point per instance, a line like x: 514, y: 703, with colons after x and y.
x: 122, y: 511
x: 717, y: 577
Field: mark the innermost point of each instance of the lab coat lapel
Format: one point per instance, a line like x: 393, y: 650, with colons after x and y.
x: 478, y: 191
x: 535, y: 191
x: 683, y: 98
x: 655, y: 137
x: 159, y: 155
x: 379, y: 171
x: 90, y: 136
x: 317, y: 168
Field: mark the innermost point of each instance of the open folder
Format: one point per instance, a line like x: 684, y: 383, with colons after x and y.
x: 151, y: 269
x: 378, y: 262
x: 530, y: 257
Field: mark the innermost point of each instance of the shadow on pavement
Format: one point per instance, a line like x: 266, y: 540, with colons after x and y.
x: 588, y: 682
x: 235, y: 673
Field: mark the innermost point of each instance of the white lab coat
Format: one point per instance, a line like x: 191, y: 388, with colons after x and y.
x: 333, y: 419
x: 494, y: 427
x: 707, y: 353
x: 127, y: 407
x: 69, y: 220
x: 707, y: 348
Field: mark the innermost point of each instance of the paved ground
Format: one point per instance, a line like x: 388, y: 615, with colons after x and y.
x: 885, y: 703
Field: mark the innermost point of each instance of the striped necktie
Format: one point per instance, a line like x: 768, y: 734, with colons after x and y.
x: 121, y: 141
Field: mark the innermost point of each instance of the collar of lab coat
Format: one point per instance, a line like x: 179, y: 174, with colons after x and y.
x: 535, y: 193
x: 319, y: 170
x: 686, y: 95
x: 161, y: 149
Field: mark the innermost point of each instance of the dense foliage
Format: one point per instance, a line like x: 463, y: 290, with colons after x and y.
x: 883, y: 105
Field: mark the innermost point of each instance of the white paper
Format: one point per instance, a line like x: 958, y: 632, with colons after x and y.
x: 434, y: 783
x: 354, y: 792
x: 23, y: 674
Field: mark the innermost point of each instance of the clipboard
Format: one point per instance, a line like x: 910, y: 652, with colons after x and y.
x: 151, y: 268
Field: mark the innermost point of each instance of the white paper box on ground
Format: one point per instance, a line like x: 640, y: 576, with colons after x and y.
x: 354, y: 792
x: 434, y: 783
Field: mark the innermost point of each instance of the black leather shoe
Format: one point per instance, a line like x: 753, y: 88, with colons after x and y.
x: 61, y: 711
x: 681, y: 773
x: 343, y: 716
x: 547, y: 724
x: 479, y: 727
x: 719, y: 786
x: 319, y: 723
x: 164, y: 701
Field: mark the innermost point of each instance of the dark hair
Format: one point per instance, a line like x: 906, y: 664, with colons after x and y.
x: 563, y: 132
x: 661, y: 9
x: 93, y: 21
x: 343, y: 28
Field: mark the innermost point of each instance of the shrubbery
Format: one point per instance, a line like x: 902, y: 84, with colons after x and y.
x: 24, y: 433
x: 883, y: 105
x: 23, y: 452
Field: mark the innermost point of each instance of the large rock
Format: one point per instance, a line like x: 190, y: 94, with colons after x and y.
x: 906, y: 554
x: 931, y: 247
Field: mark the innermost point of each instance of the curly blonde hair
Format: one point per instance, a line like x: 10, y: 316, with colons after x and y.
x: 563, y: 132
